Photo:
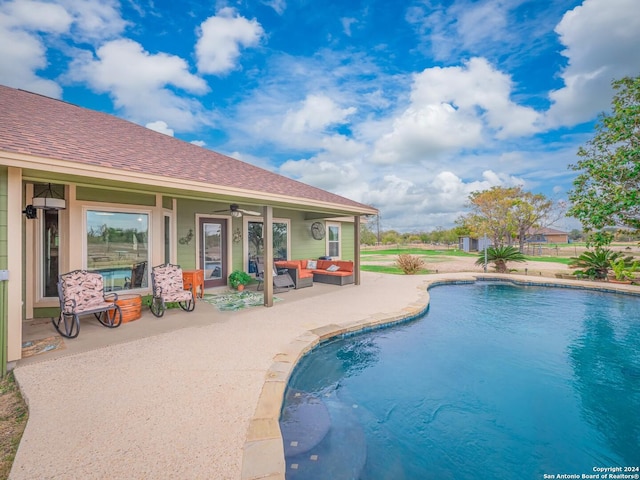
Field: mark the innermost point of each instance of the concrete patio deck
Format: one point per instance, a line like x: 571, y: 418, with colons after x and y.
x: 191, y: 395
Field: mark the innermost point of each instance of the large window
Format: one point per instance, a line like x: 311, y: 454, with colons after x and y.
x: 117, y: 246
x: 256, y: 241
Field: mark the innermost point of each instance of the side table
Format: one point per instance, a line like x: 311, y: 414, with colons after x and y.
x: 194, y: 279
x: 130, y: 305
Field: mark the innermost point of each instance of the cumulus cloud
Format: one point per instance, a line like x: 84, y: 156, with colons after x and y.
x: 139, y: 83
x: 315, y: 114
x: 160, y: 127
x: 450, y: 110
x: 601, y: 39
x: 220, y: 39
x: 23, y: 51
x: 199, y: 143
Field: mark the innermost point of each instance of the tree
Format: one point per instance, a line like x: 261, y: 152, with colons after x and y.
x: 506, y: 213
x: 607, y: 191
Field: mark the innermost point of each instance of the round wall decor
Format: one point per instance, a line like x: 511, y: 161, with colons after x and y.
x: 317, y: 230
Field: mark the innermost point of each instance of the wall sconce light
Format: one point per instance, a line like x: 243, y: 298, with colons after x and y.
x: 186, y: 240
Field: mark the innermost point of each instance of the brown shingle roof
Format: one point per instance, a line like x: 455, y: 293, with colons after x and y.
x: 37, y: 125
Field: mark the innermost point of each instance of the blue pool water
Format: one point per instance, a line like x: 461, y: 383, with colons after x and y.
x: 495, y: 381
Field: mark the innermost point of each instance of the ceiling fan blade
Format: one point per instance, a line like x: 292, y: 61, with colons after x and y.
x: 249, y: 212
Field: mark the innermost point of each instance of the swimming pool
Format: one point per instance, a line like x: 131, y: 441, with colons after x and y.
x: 495, y: 381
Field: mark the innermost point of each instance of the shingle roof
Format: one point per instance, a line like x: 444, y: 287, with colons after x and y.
x: 36, y: 125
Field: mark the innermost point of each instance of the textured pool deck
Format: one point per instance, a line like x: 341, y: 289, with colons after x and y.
x: 196, y: 395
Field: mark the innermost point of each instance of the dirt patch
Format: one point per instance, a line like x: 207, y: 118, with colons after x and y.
x: 13, y: 420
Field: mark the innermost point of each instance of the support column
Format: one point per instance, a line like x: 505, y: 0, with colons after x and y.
x: 356, y: 250
x: 267, y: 239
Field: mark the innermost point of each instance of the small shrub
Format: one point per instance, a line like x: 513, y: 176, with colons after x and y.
x: 409, y: 264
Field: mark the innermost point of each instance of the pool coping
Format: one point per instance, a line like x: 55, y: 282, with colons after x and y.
x: 263, y: 452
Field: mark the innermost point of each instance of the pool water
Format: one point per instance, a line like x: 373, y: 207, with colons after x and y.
x: 495, y: 381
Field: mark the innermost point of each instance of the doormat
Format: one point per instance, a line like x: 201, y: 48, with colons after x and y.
x: 232, y: 301
x: 35, y: 347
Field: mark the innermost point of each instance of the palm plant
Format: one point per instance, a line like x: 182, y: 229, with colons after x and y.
x: 500, y: 256
x: 595, y: 264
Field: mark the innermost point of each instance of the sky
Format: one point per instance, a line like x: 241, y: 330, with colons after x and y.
x: 405, y: 105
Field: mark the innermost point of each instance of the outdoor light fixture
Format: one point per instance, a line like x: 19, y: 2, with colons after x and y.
x: 48, y: 200
x: 236, y: 213
x: 45, y: 200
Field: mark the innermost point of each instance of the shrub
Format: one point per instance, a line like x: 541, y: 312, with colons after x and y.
x: 500, y: 256
x: 409, y: 264
x: 595, y: 264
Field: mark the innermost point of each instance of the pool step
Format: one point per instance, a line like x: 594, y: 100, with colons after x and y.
x: 341, y: 453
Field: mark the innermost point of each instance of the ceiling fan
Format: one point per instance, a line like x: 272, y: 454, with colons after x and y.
x: 236, y: 211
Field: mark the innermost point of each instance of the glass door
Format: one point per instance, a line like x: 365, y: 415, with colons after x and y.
x: 213, y: 251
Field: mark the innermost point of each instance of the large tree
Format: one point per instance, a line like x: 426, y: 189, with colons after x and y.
x: 507, y: 213
x: 607, y: 191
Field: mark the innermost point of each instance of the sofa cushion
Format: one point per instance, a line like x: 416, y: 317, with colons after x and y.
x: 311, y: 264
x: 333, y: 268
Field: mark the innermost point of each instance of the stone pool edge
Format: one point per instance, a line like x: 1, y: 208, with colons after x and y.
x: 263, y: 451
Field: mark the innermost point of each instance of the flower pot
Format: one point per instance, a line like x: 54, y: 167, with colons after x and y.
x: 240, y: 287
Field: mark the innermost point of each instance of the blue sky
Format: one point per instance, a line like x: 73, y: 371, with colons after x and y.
x: 408, y: 106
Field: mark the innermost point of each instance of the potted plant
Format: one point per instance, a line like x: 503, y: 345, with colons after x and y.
x: 238, y: 279
x: 623, y: 270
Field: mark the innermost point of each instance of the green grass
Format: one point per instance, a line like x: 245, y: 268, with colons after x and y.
x: 388, y: 269
x: 563, y: 260
x: 416, y: 251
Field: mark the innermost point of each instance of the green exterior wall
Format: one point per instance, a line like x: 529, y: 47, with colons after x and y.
x: 88, y: 194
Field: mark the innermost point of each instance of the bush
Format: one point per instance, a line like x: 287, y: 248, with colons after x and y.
x: 409, y: 264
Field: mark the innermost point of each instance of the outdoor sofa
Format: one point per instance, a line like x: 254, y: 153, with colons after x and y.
x: 304, y: 272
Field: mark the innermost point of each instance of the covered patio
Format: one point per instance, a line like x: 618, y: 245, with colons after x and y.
x: 190, y: 395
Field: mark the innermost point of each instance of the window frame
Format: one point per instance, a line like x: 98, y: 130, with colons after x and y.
x: 328, y: 227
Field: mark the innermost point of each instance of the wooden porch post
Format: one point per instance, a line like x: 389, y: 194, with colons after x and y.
x: 267, y: 238
x: 356, y: 249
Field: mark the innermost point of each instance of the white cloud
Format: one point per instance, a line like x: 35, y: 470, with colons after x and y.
x: 220, y: 39
x: 21, y: 55
x: 199, y: 143
x: 35, y: 16
x: 278, y: 5
x: 23, y: 51
x: 601, y: 39
x: 316, y: 113
x: 454, y: 108
x: 160, y: 127
x: 95, y: 20
x: 346, y: 24
x: 138, y: 83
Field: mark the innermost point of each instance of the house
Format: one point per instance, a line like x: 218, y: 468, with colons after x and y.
x: 80, y: 189
x: 546, y: 235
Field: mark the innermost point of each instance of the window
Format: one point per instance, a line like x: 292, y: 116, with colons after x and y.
x: 256, y: 244
x: 117, y: 246
x: 333, y: 240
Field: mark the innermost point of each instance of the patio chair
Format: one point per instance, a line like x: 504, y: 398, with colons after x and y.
x: 81, y: 293
x: 137, y: 276
x: 168, y: 286
x: 281, y: 277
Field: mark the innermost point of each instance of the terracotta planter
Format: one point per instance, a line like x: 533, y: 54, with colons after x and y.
x: 240, y: 287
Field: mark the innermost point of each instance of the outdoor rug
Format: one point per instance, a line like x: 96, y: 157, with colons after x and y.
x: 35, y: 347
x: 231, y: 301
